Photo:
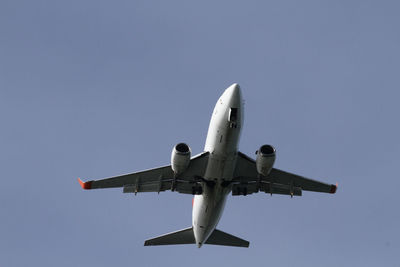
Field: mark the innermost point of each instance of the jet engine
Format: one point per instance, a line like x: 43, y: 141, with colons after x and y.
x: 265, y: 159
x: 180, y: 158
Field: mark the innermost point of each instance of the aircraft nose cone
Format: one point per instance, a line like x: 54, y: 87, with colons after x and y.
x: 234, y: 94
x: 234, y: 89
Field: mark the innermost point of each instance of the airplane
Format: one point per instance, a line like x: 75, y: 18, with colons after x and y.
x: 213, y: 174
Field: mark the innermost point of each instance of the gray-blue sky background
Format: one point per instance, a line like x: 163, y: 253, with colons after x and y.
x: 98, y: 88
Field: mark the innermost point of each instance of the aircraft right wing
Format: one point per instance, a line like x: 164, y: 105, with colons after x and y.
x: 158, y: 179
x: 247, y: 181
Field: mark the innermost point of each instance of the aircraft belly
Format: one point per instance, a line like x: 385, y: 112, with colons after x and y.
x: 223, y: 153
x: 207, y: 211
x: 220, y: 168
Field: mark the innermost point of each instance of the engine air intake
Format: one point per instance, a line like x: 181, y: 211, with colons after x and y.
x: 267, y: 150
x: 182, y: 148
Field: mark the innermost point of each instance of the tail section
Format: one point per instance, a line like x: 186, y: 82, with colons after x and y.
x: 185, y: 236
x: 223, y: 239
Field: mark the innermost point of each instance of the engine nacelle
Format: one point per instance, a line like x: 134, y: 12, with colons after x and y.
x: 180, y: 158
x: 265, y: 159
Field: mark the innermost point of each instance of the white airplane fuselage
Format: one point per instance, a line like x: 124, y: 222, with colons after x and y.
x: 222, y: 144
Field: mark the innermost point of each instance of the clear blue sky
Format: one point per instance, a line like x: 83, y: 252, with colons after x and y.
x: 93, y: 89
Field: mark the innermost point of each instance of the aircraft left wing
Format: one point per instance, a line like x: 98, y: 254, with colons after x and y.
x: 247, y: 181
x: 157, y: 180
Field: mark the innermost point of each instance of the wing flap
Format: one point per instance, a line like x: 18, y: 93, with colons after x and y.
x: 280, y: 189
x: 247, y: 188
x: 184, y: 187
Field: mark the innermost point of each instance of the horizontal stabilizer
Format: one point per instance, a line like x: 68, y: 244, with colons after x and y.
x: 185, y: 236
x: 223, y: 239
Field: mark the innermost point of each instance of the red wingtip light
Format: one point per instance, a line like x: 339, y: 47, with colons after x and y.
x: 333, y: 188
x: 85, y: 185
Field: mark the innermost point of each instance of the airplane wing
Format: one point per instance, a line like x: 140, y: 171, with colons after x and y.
x: 247, y: 181
x: 158, y: 179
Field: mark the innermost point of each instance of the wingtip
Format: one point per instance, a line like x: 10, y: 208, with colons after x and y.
x: 85, y: 185
x: 333, y: 188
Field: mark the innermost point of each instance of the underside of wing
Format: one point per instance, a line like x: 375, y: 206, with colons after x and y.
x: 247, y: 181
x: 302, y: 182
x: 157, y: 180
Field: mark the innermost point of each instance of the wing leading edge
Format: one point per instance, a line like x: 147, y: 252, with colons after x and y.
x: 247, y: 181
x: 157, y: 180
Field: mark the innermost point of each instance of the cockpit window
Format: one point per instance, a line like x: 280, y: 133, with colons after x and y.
x: 233, y: 113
